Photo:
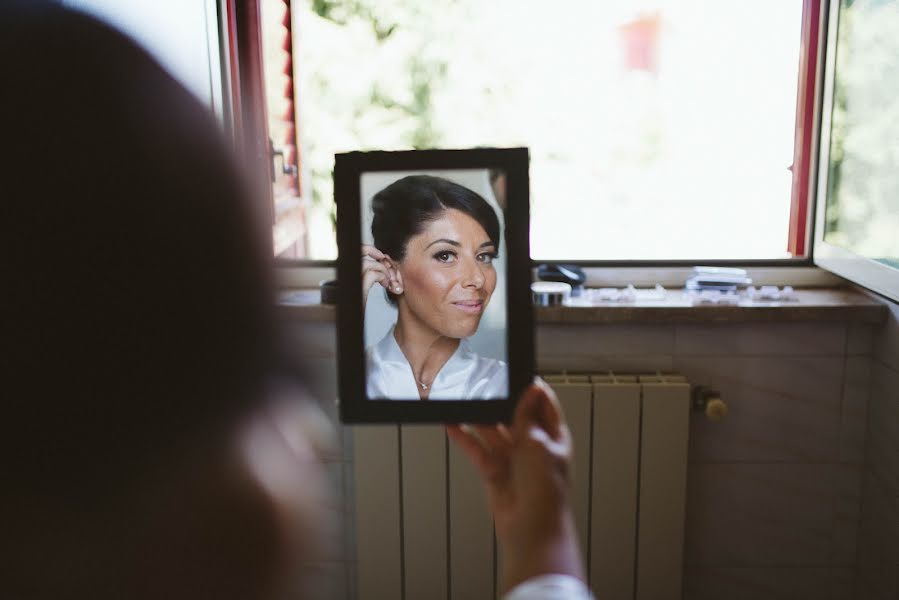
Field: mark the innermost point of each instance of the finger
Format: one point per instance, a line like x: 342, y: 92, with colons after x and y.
x: 374, y: 267
x: 391, y: 284
x: 391, y: 269
x: 370, y: 277
x: 372, y: 252
x: 496, y: 440
x: 560, y: 447
x: 472, y: 447
x: 551, y: 417
x: 524, y: 412
x: 369, y: 263
x: 538, y: 406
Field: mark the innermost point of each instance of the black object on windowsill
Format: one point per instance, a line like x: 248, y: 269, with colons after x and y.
x: 329, y: 291
x: 570, y: 274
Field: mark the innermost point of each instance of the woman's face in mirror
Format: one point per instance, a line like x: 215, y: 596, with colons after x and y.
x: 448, y: 275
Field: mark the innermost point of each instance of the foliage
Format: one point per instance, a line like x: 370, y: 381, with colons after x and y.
x: 391, y: 89
x: 863, y: 207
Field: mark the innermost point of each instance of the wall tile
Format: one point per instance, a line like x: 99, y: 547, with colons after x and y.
x: 609, y: 340
x: 352, y: 588
x: 326, y: 581
x: 860, y: 339
x: 319, y: 374
x: 649, y: 363
x: 882, y: 448
x: 886, y: 340
x: 332, y: 518
x: 768, y: 584
x: 847, y: 503
x: 774, y: 515
x: 761, y: 339
x: 346, y: 441
x: 854, y: 413
x: 313, y: 339
x: 321, y: 390
x: 878, y: 553
x: 349, y: 506
x: 781, y: 408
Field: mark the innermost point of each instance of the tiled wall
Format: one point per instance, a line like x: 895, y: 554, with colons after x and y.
x: 333, y: 577
x: 878, y: 555
x: 775, y: 490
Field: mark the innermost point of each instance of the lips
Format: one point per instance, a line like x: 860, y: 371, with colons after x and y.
x: 470, y: 306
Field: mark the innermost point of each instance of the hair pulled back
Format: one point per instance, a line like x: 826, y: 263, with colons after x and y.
x: 404, y: 208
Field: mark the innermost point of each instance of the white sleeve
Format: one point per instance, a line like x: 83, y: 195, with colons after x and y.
x: 550, y: 587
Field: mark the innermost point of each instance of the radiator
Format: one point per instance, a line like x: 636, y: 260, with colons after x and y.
x: 423, y: 531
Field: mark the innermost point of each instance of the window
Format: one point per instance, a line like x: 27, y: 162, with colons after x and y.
x: 858, y: 206
x: 658, y: 130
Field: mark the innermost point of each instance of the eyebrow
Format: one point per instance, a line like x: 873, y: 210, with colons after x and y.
x: 457, y: 244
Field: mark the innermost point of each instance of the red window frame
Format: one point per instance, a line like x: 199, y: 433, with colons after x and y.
x: 248, y: 110
x: 250, y: 120
x: 806, y: 125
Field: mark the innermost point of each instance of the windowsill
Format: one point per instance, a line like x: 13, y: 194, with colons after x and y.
x: 825, y: 305
x: 313, y: 272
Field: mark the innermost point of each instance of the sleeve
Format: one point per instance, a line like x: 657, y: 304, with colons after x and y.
x: 550, y: 587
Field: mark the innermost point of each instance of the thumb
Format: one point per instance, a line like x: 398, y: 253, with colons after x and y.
x: 539, y: 407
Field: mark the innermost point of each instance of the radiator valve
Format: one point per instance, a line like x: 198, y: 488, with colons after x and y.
x: 709, y: 401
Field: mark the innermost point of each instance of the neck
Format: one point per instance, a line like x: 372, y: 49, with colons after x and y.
x: 425, y: 349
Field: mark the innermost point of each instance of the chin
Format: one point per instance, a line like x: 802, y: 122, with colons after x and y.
x: 462, y: 330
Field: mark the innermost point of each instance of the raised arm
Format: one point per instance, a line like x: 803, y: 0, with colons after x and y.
x: 377, y: 267
x: 525, y: 469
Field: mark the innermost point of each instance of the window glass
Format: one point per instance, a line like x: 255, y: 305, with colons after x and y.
x: 863, y: 203
x: 657, y: 129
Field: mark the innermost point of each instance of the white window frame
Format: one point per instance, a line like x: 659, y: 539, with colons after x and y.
x: 858, y: 269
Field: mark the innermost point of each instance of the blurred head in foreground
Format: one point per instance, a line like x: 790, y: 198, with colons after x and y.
x: 138, y: 453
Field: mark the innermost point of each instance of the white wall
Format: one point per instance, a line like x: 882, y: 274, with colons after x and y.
x: 181, y: 34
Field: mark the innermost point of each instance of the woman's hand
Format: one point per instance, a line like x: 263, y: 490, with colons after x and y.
x: 377, y: 267
x: 525, y: 469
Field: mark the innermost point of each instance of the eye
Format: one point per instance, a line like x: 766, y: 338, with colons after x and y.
x: 445, y: 256
x: 487, y: 257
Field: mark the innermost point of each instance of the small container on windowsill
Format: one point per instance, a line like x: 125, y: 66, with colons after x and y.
x: 550, y: 293
x: 329, y: 291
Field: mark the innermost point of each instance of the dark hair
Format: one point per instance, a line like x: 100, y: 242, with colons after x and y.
x: 137, y: 299
x: 405, y: 207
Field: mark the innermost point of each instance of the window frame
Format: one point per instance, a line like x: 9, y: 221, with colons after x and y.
x: 243, y: 26
x: 248, y: 122
x: 246, y: 119
x: 861, y: 270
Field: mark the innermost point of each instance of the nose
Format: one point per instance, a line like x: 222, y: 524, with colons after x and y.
x: 473, y: 277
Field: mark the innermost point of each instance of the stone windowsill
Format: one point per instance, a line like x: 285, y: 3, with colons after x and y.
x: 825, y: 305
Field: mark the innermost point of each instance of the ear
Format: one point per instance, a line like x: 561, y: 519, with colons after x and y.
x: 399, y: 282
x: 396, y: 277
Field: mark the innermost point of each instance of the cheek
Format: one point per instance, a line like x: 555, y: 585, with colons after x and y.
x: 430, y: 283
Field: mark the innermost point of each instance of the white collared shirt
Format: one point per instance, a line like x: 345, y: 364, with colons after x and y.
x: 465, y: 376
x: 550, y: 587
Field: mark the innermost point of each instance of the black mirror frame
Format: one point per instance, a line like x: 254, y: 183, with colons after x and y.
x: 355, y: 407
